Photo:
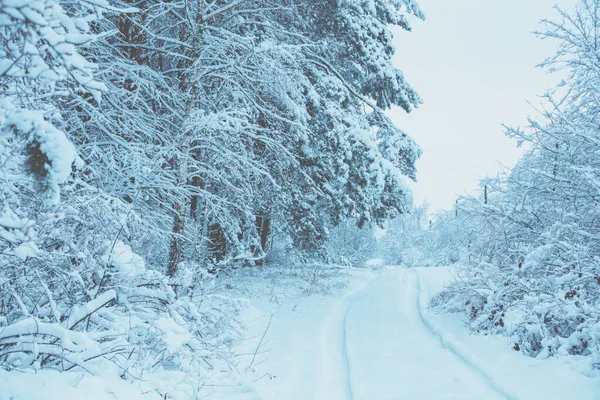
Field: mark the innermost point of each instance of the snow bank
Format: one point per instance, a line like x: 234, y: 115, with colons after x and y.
x: 520, y: 377
x: 121, y: 259
x: 52, y: 385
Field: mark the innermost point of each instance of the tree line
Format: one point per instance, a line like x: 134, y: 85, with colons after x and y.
x: 530, y: 240
x: 145, y: 142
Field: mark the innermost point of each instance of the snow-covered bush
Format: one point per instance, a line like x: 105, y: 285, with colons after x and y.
x: 418, y: 240
x: 350, y: 246
x: 74, y: 299
x: 401, y: 242
x: 534, y: 272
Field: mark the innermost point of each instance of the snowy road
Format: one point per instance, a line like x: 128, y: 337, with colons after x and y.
x: 375, y: 345
x: 378, y: 341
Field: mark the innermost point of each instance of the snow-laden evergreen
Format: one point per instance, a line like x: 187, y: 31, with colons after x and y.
x: 147, y: 148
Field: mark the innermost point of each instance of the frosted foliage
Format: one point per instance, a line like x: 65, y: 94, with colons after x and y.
x: 350, y: 246
x: 119, y: 257
x: 38, y: 42
x: 146, y: 153
x: 532, y: 271
x: 49, y: 155
x: 417, y: 239
x: 370, y: 35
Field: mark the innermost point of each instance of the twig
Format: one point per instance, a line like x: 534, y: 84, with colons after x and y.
x: 261, y: 340
x: 262, y: 376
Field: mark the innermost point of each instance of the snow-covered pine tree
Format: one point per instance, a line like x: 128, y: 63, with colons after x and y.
x: 354, y: 157
x: 247, y: 102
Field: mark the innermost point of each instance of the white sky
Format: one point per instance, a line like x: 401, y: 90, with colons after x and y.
x: 473, y: 63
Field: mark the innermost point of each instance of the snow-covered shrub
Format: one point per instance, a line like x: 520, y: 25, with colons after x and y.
x: 406, y: 240
x: 82, y: 301
x: 534, y: 272
x: 349, y: 245
x: 417, y: 239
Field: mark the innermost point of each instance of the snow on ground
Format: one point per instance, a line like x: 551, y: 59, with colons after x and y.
x: 53, y: 385
x: 372, y: 340
x: 517, y: 376
x: 377, y: 340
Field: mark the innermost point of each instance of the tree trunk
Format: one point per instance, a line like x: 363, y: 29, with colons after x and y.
x: 180, y: 161
x: 217, y: 243
x: 176, y: 250
x: 263, y: 228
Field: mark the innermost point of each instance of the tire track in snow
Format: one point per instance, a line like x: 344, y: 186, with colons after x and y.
x: 344, y: 342
x: 333, y: 380
x: 450, y: 346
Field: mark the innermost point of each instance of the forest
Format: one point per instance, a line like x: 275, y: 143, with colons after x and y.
x: 163, y: 161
